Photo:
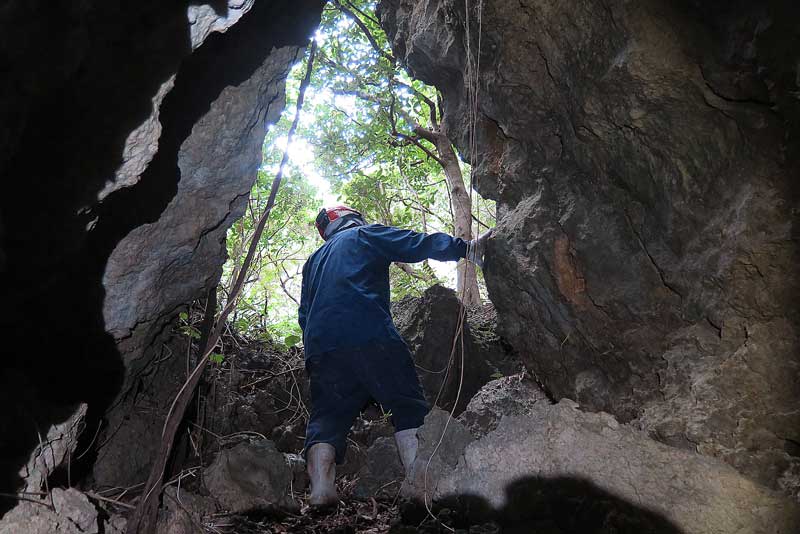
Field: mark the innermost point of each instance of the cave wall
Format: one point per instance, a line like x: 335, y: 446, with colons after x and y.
x: 644, y: 159
x: 130, y: 135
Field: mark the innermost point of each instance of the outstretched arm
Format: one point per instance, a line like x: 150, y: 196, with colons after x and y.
x: 407, y: 246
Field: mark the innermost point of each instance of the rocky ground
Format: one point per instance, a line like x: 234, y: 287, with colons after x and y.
x: 237, y: 466
x: 506, y: 459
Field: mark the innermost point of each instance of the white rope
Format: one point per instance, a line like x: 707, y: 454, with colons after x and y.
x: 473, y: 82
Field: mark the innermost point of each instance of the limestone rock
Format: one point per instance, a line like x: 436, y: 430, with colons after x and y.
x: 71, y: 513
x: 442, y: 441
x: 507, y: 396
x: 71, y: 510
x: 428, y: 325
x: 167, y: 263
x: 250, y: 476
x: 577, y: 457
x: 57, y: 447
x: 643, y: 157
x: 382, y: 472
x: 156, y: 114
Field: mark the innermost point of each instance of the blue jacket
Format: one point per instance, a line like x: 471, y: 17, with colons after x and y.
x: 345, y: 295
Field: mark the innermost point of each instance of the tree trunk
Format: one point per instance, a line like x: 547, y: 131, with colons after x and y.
x: 466, y: 278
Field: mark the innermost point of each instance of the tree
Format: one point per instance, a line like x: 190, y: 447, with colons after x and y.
x: 400, y: 132
x: 376, y: 135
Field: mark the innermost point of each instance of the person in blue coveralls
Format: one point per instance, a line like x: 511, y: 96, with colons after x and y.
x: 353, y: 352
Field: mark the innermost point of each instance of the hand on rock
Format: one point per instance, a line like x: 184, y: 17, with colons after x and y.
x: 477, y: 247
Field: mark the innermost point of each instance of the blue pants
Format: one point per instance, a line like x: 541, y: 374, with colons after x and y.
x: 343, y: 382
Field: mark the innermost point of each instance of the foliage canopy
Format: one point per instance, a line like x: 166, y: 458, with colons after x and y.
x: 354, y: 145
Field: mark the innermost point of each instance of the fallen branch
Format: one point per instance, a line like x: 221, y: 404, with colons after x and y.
x: 143, y: 520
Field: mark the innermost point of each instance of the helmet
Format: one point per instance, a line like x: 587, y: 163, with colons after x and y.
x: 331, y: 220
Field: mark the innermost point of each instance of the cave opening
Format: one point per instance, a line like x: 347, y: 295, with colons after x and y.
x: 638, y: 159
x: 369, y: 137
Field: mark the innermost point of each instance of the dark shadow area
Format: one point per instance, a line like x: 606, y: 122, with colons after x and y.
x: 541, y: 505
x: 79, y: 77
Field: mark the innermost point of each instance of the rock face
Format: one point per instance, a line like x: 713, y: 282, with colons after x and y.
x: 554, y: 468
x: 152, y: 116
x: 644, y: 158
x: 557, y: 454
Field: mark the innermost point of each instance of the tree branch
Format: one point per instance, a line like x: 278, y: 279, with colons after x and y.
x: 365, y: 30
x: 428, y: 101
x: 361, y: 12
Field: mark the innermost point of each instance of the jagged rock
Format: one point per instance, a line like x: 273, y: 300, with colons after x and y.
x: 511, y: 395
x: 250, y: 476
x: 167, y: 263
x: 161, y: 110
x: 56, y: 448
x: 428, y: 325
x: 573, y: 455
x: 643, y: 156
x: 71, y: 513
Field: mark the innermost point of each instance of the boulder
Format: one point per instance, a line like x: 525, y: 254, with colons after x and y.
x: 507, y: 396
x: 644, y: 159
x: 250, y: 476
x: 428, y: 324
x: 575, y: 468
x: 62, y: 512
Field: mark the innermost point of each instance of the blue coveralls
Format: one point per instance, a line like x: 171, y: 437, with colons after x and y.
x: 353, y: 350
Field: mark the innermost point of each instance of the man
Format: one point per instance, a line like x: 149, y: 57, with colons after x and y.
x: 353, y: 350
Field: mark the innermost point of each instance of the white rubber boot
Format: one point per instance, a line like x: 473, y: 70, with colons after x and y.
x: 322, y: 472
x: 407, y: 444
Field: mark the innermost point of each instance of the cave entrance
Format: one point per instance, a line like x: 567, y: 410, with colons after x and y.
x: 370, y: 136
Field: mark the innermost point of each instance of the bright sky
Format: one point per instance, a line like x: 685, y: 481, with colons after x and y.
x: 301, y: 154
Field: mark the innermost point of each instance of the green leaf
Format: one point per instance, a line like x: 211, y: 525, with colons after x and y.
x: 497, y: 375
x: 216, y: 358
x: 191, y: 331
x: 291, y: 340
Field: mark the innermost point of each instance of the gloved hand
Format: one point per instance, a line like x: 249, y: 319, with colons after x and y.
x: 477, y: 247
